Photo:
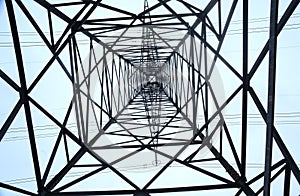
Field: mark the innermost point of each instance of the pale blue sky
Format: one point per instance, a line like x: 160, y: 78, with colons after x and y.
x: 16, y: 166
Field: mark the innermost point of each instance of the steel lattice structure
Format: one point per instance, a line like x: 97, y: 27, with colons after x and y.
x: 121, y: 71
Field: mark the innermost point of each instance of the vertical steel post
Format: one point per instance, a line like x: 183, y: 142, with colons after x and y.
x: 245, y: 89
x: 24, y: 93
x: 271, y: 96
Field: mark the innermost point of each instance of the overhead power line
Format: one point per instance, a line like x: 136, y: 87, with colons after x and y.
x: 252, y: 30
x: 282, y: 118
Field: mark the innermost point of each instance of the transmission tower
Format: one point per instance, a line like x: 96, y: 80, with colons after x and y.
x: 149, y: 97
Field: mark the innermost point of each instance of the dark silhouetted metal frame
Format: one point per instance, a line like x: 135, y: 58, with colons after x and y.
x: 125, y: 68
